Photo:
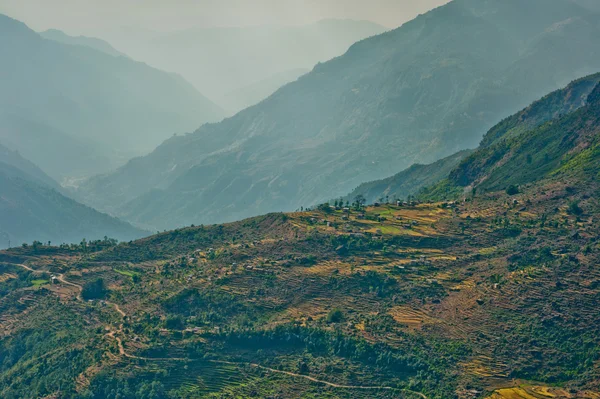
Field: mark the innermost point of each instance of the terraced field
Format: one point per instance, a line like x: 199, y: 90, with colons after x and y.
x: 415, y: 301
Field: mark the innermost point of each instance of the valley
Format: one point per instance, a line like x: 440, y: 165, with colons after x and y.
x: 291, y: 251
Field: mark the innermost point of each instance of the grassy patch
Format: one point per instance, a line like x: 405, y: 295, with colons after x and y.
x: 127, y: 273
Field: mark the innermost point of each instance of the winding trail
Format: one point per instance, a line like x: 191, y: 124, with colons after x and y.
x: 330, y: 384
x: 112, y: 333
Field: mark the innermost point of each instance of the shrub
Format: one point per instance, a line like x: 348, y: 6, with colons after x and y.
x: 335, y: 316
x: 574, y: 208
x: 94, y: 289
x: 512, y: 190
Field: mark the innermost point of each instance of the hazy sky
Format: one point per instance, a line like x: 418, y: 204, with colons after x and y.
x: 92, y: 17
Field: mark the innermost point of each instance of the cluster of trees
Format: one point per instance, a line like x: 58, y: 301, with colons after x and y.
x: 95, y: 289
x: 83, y: 246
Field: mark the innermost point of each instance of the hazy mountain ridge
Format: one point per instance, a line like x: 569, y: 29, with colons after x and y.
x: 556, y: 136
x: 33, y: 207
x: 413, y: 95
x: 16, y: 161
x: 408, y: 182
x: 64, y: 106
x: 412, y: 180
x: 92, y: 42
x: 220, y: 61
x: 258, y: 91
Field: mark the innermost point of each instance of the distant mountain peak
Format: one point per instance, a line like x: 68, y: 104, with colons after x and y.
x: 91, y: 42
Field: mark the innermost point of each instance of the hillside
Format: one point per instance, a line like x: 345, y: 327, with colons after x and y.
x: 221, y: 61
x: 257, y: 91
x: 408, y: 182
x: 26, y: 168
x: 32, y: 207
x: 75, y: 111
x: 418, y: 177
x: 493, y: 297
x: 413, y: 95
x: 554, y: 136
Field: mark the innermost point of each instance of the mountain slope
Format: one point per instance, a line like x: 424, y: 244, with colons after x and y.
x: 556, y: 136
x: 222, y: 60
x: 56, y: 99
x: 408, y: 182
x: 92, y: 42
x: 413, y: 95
x: 256, y: 92
x: 417, y: 177
x: 32, y: 207
x: 27, y: 168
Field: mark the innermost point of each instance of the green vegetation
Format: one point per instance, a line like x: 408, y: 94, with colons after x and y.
x: 95, y: 289
x: 335, y: 316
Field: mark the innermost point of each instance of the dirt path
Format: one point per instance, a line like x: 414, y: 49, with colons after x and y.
x: 113, y: 334
x: 25, y: 267
x: 330, y: 384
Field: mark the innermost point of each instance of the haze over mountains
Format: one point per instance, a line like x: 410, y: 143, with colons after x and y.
x: 518, y: 150
x: 223, y: 62
x: 74, y: 110
x: 415, y: 94
x: 95, y: 43
x: 483, y: 115
x: 34, y: 207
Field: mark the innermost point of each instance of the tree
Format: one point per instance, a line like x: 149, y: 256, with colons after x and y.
x: 95, y: 289
x: 324, y: 208
x: 574, y: 208
x: 360, y: 200
x: 512, y: 190
x: 335, y: 316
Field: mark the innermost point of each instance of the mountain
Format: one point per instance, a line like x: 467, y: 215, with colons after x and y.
x: 408, y: 182
x: 555, y: 136
x: 223, y: 60
x: 92, y: 42
x: 493, y: 297
x: 32, y: 207
x: 256, y: 92
x: 17, y: 163
x: 464, y: 165
x: 413, y: 95
x: 74, y: 110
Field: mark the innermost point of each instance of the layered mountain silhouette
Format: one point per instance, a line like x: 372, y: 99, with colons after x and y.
x: 250, y: 61
x: 413, y: 95
x: 95, y: 43
x: 520, y: 149
x: 407, y: 183
x: 74, y: 110
x: 32, y: 207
